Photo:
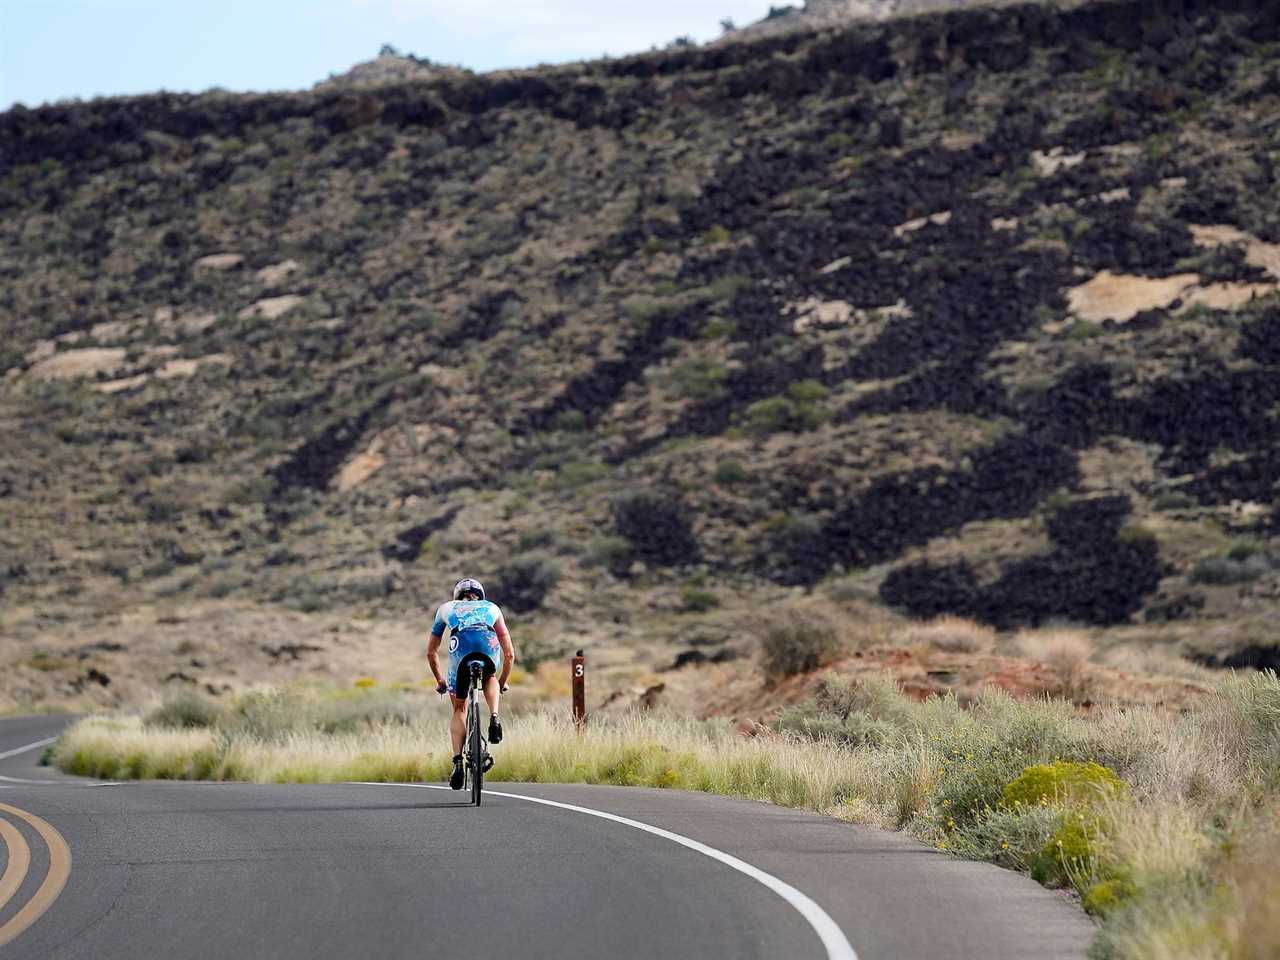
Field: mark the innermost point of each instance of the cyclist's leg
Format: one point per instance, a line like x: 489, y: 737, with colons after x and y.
x: 457, y: 723
x: 491, y: 693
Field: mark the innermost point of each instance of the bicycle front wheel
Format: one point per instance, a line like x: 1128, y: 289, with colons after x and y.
x: 475, y: 748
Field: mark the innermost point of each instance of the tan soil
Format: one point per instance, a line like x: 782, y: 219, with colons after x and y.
x: 360, y: 469
x: 220, y: 262
x: 275, y: 274
x: 911, y: 226
x: 87, y: 362
x: 273, y: 307
x: 1258, y: 253
x: 1118, y: 297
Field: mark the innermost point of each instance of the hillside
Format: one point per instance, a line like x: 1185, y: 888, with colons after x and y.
x: 973, y: 312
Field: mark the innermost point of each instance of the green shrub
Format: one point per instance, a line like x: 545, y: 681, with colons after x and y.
x: 1011, y: 837
x: 1173, y: 500
x: 1225, y: 571
x: 571, y: 421
x: 800, y: 641
x: 612, y: 553
x: 1105, y: 896
x: 770, y: 416
x: 643, y: 311
x: 799, y: 410
x: 699, y: 379
x: 535, y: 540
x: 698, y: 600
x: 1063, y: 782
x: 1070, y: 852
x: 869, y: 712
x: 730, y: 471
x: 185, y: 711
x: 716, y: 235
x: 725, y: 288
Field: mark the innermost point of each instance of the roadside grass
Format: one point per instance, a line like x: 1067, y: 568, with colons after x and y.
x: 1162, y: 822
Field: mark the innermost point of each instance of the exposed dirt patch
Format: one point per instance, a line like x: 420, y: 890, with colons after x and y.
x: 1118, y: 297
x: 85, y: 362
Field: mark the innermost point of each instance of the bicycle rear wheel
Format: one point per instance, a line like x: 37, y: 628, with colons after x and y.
x: 475, y: 749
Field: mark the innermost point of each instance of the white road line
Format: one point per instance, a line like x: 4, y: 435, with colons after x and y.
x: 46, y: 783
x: 833, y: 938
x: 28, y: 748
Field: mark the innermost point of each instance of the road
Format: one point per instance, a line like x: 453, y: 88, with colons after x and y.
x: 196, y: 870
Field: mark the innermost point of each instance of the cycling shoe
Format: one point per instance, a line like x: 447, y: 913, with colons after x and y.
x: 458, y: 776
x: 495, y: 730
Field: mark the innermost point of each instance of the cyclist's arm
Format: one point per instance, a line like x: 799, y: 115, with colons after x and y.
x: 433, y: 648
x: 508, y: 649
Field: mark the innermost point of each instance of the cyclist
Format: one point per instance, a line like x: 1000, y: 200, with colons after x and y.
x: 475, y: 630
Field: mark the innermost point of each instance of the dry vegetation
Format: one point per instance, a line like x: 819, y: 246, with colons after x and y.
x: 744, y: 301
x: 1161, y: 821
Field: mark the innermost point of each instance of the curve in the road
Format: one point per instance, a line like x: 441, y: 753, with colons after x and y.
x: 311, y: 872
x: 54, y: 880
x: 833, y: 939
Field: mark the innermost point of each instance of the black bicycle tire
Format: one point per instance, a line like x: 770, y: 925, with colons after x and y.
x: 477, y: 755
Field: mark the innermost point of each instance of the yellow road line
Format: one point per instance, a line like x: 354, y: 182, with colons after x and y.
x: 18, y: 861
x: 54, y: 881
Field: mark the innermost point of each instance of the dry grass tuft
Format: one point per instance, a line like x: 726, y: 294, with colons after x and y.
x: 950, y: 634
x: 1066, y: 653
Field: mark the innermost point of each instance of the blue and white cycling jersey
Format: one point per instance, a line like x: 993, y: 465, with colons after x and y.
x: 468, y: 626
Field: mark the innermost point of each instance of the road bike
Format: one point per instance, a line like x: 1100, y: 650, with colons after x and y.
x: 476, y: 756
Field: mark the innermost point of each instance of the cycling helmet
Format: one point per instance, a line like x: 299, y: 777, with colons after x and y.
x: 468, y: 586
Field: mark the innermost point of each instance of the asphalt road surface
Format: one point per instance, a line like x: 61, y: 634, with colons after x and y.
x: 192, y: 870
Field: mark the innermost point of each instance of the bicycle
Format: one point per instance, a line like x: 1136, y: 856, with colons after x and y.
x: 476, y: 756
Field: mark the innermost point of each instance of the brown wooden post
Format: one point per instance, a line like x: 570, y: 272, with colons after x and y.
x: 580, y: 691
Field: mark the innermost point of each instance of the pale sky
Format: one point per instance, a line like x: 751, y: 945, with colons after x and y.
x: 60, y: 49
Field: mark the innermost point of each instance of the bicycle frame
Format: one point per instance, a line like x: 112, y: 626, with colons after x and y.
x: 473, y: 743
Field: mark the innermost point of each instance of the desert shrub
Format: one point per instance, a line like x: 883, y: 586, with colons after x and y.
x: 615, y: 554
x: 571, y: 421
x: 699, y: 379
x: 726, y: 288
x: 1173, y: 500
x: 524, y: 581
x: 1013, y: 837
x: 800, y: 409
x: 185, y: 711
x: 797, y: 550
x: 11, y: 357
x: 1226, y: 571
x: 1063, y: 782
x: 571, y: 474
x: 643, y: 311
x: 535, y: 540
x: 853, y: 712
x: 657, y: 527
x: 716, y: 235
x: 730, y: 471
x: 800, y: 641
x: 160, y: 568
x: 1071, y: 852
x: 808, y: 721
x: 273, y: 715
x: 952, y: 635
x: 698, y: 600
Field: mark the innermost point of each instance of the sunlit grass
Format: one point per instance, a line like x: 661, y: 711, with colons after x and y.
x: 1166, y: 862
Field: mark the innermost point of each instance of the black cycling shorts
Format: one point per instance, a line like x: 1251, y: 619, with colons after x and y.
x: 463, y: 683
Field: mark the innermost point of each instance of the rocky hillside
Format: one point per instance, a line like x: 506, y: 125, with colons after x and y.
x: 826, y: 14
x: 973, y: 313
